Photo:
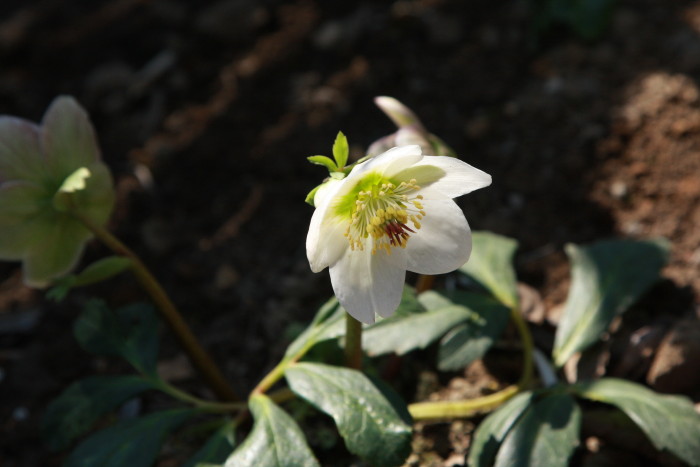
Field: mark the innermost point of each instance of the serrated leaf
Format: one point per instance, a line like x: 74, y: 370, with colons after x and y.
x: 546, y: 434
x: 341, y: 150
x: 470, y: 340
x: 433, y: 300
x: 217, y: 448
x: 401, y: 334
x: 370, y: 426
x: 491, y: 432
x: 607, y: 278
x: 328, y: 323
x: 75, y: 410
x: 670, y: 422
x: 102, y: 270
x: 275, y: 441
x: 134, y: 443
x: 491, y: 264
x: 130, y: 332
x: 325, y: 161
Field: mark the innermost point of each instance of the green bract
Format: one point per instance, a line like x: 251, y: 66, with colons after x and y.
x: 49, y: 176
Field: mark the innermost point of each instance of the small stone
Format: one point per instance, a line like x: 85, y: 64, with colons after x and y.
x: 618, y: 189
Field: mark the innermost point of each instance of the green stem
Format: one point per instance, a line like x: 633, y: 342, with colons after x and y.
x: 196, y: 353
x: 466, y: 408
x: 205, y: 405
x: 353, y: 342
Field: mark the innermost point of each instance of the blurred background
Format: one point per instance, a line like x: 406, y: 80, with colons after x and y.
x: 586, y: 113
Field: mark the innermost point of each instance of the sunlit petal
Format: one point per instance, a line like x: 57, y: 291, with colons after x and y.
x: 366, y: 284
x: 444, y: 241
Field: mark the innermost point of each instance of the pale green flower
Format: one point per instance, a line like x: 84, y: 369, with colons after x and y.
x: 47, y: 173
x: 391, y: 214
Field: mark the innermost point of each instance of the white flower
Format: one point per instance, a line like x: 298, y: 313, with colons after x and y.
x: 391, y: 214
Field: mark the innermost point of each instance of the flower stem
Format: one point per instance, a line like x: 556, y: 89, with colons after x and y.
x: 205, y: 405
x: 466, y: 408
x: 424, y: 282
x: 196, y: 353
x: 353, y: 342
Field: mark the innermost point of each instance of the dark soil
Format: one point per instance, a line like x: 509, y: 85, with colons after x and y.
x: 207, y: 110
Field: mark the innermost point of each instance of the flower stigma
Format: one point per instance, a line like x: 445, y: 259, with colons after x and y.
x: 382, y: 212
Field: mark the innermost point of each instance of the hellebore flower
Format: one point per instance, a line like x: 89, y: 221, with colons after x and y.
x: 410, y: 131
x: 48, y: 175
x: 391, y: 214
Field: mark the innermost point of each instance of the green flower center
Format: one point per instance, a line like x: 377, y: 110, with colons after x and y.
x: 381, y: 210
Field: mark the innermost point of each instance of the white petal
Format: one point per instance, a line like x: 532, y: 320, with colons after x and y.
x: 444, y: 241
x: 390, y: 162
x: 326, y: 191
x: 326, y: 242
x: 366, y: 284
x: 449, y: 175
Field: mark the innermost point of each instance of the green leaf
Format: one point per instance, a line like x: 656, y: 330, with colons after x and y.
x: 402, y: 334
x: 328, y: 323
x: 491, y: 264
x: 546, y: 434
x: 341, y: 150
x: 311, y: 195
x: 607, y: 278
x: 433, y: 300
x: 102, y: 270
x: 470, y: 340
x: 61, y: 287
x: 275, y: 441
x: 130, y: 332
x: 494, y: 429
x: 73, y: 412
x: 370, y: 426
x: 217, y: 448
x: 670, y: 422
x: 134, y: 443
x: 327, y: 162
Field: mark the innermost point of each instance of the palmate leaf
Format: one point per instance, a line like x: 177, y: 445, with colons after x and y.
x: 130, y: 332
x: 491, y: 432
x: 133, y: 443
x: 217, y: 448
x: 72, y: 413
x: 670, y: 422
x: 546, y: 434
x: 473, y: 338
x: 328, y: 323
x: 491, y: 264
x: 402, y: 334
x: 607, y: 278
x: 275, y: 441
x: 367, y: 421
